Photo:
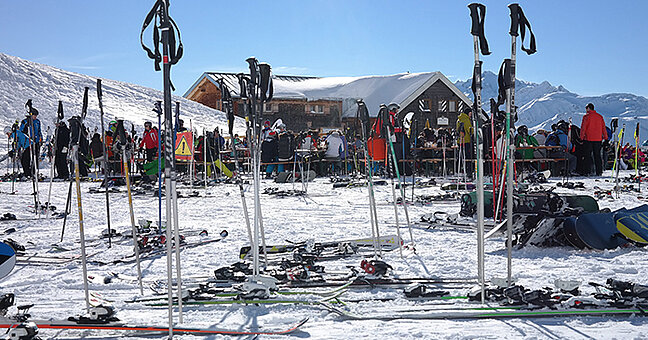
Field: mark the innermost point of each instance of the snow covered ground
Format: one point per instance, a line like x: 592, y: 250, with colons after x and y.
x: 325, y: 214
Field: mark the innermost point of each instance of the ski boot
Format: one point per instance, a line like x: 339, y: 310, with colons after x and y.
x: 98, y: 315
x: 418, y: 290
x: 257, y: 287
x: 24, y: 331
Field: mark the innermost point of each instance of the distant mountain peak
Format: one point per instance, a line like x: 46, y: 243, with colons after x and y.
x: 542, y: 104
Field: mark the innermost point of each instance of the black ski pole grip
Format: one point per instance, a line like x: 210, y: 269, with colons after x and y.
x: 474, y: 16
x: 99, y: 88
x: 266, y: 82
x: 515, y: 24
x: 254, y: 64
x: 84, y: 109
x: 60, y: 110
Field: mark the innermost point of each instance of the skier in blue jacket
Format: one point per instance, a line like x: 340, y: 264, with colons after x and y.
x: 29, y: 139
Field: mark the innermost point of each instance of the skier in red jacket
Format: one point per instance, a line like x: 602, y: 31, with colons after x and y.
x: 149, y: 141
x: 593, y: 132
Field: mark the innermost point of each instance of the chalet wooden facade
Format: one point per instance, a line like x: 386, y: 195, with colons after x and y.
x: 330, y: 103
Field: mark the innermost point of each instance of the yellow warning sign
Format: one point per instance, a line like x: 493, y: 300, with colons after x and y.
x: 184, y: 146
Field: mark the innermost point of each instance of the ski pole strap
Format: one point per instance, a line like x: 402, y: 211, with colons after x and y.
x: 520, y: 22
x: 121, y: 132
x: 384, y: 121
x: 155, y: 15
x: 226, y: 99
x: 476, y: 84
x: 478, y: 14
x: 503, y: 81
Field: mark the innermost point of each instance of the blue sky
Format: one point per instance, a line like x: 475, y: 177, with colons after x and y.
x: 590, y: 47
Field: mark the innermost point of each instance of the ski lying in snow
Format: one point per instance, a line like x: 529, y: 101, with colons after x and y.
x: 442, y: 225
x: 232, y: 293
x: 383, y: 282
x: 117, y: 326
x: 414, y: 299
x: 386, y: 243
x: 154, y: 252
x: 270, y: 301
x: 504, y: 312
x: 40, y: 259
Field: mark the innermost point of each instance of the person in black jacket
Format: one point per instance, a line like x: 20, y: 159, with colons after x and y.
x: 269, y: 152
x: 78, y: 134
x: 285, y: 147
x: 60, y: 155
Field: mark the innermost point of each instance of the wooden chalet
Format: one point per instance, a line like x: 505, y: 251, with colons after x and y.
x: 330, y: 103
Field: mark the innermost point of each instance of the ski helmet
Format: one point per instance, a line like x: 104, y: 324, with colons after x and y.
x: 523, y: 130
x: 563, y: 126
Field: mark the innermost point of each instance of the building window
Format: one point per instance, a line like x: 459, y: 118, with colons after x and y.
x: 443, y: 106
x: 452, y: 106
x: 269, y: 107
x: 316, y: 108
x: 425, y: 105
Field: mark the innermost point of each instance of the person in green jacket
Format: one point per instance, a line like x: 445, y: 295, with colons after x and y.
x: 523, y: 139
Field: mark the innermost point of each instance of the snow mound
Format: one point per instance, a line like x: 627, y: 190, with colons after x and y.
x: 22, y: 79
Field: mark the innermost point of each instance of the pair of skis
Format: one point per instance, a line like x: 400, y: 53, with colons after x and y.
x: 11, y: 325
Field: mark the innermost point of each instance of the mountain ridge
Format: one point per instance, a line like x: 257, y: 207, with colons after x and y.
x: 22, y: 79
x: 542, y: 104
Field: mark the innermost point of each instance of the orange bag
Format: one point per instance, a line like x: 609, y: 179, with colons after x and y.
x: 377, y: 144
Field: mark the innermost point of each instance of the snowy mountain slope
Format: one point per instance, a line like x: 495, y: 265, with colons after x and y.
x: 541, y: 105
x: 22, y: 79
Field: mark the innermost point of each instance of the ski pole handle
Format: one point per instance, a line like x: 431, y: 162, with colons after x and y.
x: 475, y: 17
x: 60, y: 110
x: 515, y: 25
x: 99, y: 93
x: 84, y: 109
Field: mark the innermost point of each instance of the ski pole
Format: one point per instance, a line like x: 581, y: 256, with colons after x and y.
x: 105, y: 161
x: 204, y: 156
x: 478, y: 13
x: 158, y: 109
x: 518, y: 23
x: 59, y: 117
x: 123, y: 146
x: 68, y: 206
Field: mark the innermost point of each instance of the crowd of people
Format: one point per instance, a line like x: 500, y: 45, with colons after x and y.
x: 585, y: 149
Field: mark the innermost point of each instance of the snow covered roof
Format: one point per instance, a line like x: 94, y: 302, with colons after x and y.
x: 231, y: 81
x: 402, y: 88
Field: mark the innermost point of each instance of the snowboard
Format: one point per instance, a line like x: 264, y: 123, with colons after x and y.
x: 7, y: 259
x: 634, y: 227
x: 597, y: 231
x: 223, y: 168
x: 526, y: 203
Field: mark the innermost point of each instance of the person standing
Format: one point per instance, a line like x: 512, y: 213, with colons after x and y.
x: 149, y: 141
x: 30, y: 127
x: 464, y: 130
x: 61, y: 152
x: 593, y: 132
